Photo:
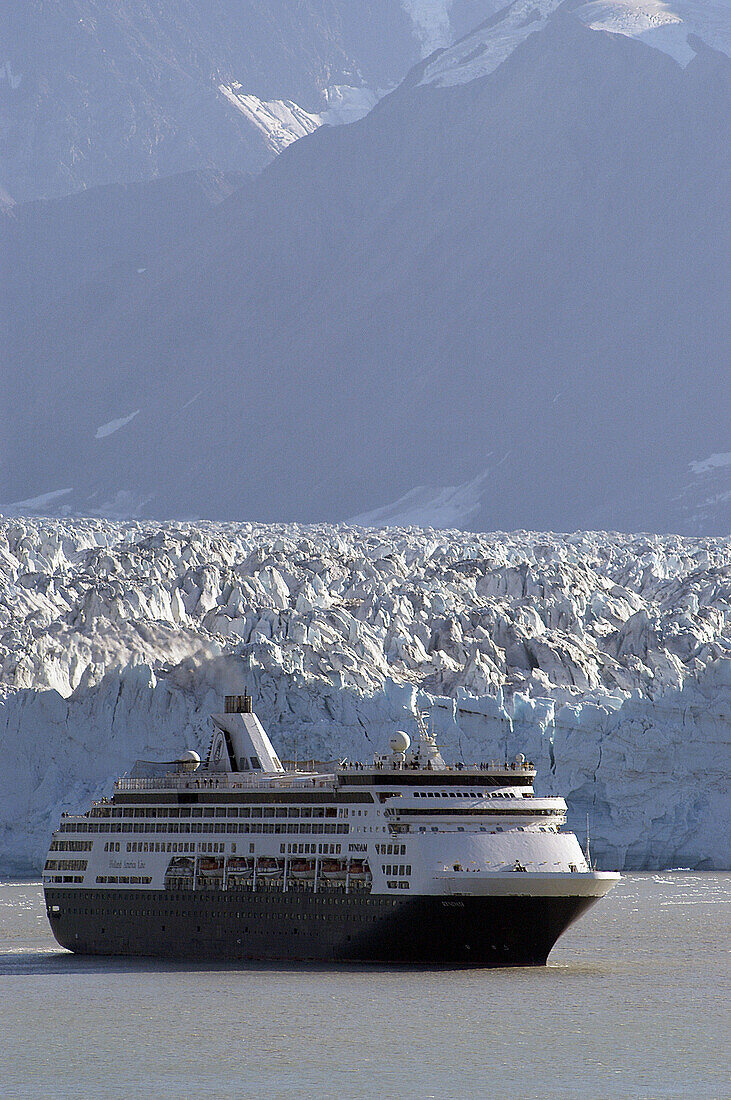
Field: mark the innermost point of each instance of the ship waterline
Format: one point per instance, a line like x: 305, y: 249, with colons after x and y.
x: 407, y: 860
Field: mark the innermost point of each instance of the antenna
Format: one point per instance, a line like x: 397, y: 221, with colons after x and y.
x: 588, y: 851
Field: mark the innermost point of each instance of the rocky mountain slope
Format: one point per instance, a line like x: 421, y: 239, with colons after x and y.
x: 605, y: 658
x: 95, y: 93
x: 55, y: 249
x: 511, y: 292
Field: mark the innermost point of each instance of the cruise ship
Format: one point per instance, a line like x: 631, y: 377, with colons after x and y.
x: 403, y: 860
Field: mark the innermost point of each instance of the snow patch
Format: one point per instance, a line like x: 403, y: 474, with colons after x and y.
x: 480, y: 52
x: 713, y: 462
x: 346, y: 104
x: 35, y: 504
x: 280, y: 120
x: 114, y: 425
x: 6, y: 73
x: 449, y: 507
x: 431, y: 22
x: 125, y: 504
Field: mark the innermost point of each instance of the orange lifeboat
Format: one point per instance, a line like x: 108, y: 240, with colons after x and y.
x: 240, y: 867
x: 210, y: 868
x: 359, y: 870
x: 334, y: 869
x: 302, y: 868
x: 270, y: 868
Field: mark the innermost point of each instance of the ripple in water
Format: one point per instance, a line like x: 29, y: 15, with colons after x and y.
x: 631, y: 1004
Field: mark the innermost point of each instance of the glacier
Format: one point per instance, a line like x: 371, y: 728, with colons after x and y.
x: 604, y: 657
x: 675, y: 28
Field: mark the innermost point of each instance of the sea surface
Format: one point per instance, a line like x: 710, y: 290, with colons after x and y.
x: 634, y: 1003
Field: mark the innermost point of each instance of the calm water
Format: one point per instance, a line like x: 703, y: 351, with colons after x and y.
x: 634, y: 1003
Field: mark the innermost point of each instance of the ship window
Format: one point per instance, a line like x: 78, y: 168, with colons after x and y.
x: 255, y: 763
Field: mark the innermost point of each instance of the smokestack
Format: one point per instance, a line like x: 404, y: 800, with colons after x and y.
x: 238, y: 704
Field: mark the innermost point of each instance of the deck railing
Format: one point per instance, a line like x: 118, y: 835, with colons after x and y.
x: 226, y: 781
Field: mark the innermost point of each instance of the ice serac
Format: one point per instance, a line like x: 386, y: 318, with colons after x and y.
x: 605, y: 658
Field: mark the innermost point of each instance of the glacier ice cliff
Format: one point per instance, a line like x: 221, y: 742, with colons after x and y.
x: 605, y: 658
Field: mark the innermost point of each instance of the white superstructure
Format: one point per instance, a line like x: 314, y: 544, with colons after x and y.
x: 406, y: 825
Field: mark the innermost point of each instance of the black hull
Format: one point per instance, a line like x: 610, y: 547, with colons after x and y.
x: 329, y: 926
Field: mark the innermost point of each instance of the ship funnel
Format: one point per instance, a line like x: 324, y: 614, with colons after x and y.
x: 240, y: 743
x: 238, y: 704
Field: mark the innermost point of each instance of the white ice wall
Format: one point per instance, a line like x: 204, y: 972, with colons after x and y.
x: 605, y: 658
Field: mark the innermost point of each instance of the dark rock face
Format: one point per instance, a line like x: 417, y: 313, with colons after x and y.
x: 526, y: 274
x: 51, y: 248
x: 94, y: 93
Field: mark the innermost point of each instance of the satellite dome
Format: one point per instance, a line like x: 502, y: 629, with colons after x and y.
x: 190, y: 760
x: 400, y: 741
x: 520, y: 759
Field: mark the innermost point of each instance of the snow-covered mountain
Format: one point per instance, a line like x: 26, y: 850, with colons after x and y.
x: 517, y: 285
x: 665, y: 25
x: 95, y: 93
x: 604, y: 658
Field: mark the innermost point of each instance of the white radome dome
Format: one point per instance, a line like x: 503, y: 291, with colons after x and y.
x: 400, y: 741
x: 190, y: 760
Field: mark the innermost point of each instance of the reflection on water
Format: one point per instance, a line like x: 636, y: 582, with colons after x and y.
x: 632, y: 1004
